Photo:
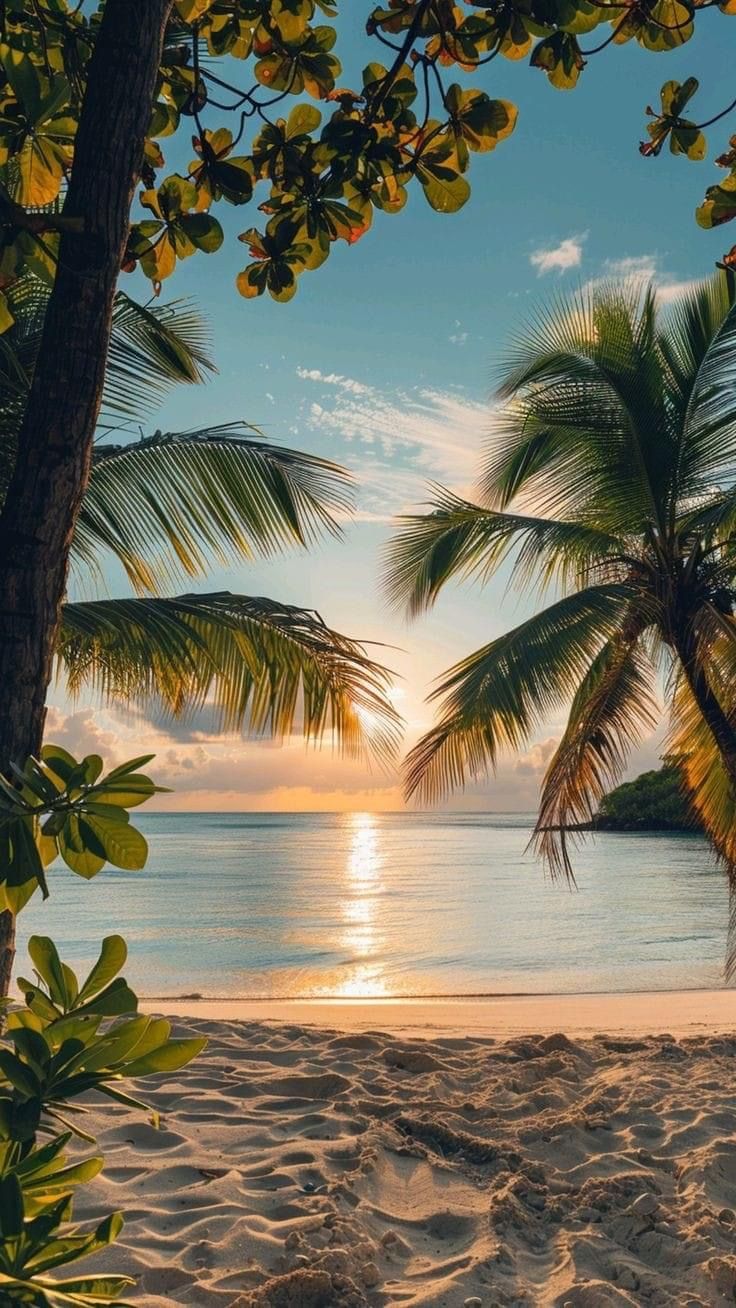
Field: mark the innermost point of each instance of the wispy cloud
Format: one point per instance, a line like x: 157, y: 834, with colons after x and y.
x: 646, y: 268
x: 416, y: 434
x: 457, y: 336
x: 333, y: 379
x: 558, y: 258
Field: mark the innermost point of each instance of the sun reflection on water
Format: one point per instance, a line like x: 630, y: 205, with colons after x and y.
x: 361, y: 935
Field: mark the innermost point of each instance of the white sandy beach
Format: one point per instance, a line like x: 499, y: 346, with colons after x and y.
x: 309, y: 1161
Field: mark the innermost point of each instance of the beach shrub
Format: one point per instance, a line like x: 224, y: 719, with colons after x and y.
x: 56, y: 806
x: 69, y: 1036
x: 36, y: 1241
x: 60, y: 1044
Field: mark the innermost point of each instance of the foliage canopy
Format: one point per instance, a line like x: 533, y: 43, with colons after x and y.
x: 316, y: 174
x: 653, y: 800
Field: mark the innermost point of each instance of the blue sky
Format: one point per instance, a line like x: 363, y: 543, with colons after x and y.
x: 385, y: 361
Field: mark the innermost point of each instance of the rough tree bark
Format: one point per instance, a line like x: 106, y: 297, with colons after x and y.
x: 55, y: 441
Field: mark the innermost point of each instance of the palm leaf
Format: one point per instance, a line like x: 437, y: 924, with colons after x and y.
x: 152, y: 348
x: 586, y: 429
x: 612, y: 708
x: 269, y: 667
x: 468, y: 541
x: 708, y: 441
x: 170, y: 505
x: 495, y: 698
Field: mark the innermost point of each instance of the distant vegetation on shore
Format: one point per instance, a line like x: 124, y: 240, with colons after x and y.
x: 653, y: 801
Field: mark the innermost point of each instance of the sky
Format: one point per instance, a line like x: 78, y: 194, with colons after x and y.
x: 386, y: 361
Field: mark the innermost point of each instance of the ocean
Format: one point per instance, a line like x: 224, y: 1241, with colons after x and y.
x: 391, y: 904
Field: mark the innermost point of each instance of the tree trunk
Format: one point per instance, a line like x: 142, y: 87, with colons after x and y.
x: 720, y: 725
x: 55, y: 441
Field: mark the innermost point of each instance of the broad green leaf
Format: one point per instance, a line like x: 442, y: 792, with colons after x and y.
x: 19, y: 1074
x: 121, y: 843
x: 168, y: 1058
x: 45, y: 958
x: 446, y: 190
x: 113, y: 955
x: 302, y: 121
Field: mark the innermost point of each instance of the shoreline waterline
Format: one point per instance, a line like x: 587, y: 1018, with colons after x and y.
x: 635, y: 1014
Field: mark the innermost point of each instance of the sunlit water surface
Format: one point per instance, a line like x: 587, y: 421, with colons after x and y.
x: 365, y: 904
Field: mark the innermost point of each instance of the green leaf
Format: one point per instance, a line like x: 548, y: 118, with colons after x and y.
x: 24, y: 79
x: 113, y: 955
x: 675, y: 95
x: 481, y: 121
x: 115, y: 1000
x: 19, y: 1074
x: 302, y: 121
x: 76, y: 852
x: 445, y: 189
x: 11, y: 1207
x: 45, y: 958
x: 204, y: 231
x: 688, y: 140
x: 122, y: 844
x: 168, y: 1058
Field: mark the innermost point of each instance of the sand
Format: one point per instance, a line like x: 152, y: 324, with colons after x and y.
x: 299, y: 1166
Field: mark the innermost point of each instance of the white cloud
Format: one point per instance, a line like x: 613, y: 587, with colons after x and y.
x: 645, y: 268
x: 457, y: 336
x: 409, y: 437
x: 333, y: 379
x: 559, y: 258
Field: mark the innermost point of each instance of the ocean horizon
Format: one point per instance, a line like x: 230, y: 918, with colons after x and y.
x: 392, y: 905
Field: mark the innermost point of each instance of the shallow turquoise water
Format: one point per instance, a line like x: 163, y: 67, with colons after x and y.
x: 392, y: 904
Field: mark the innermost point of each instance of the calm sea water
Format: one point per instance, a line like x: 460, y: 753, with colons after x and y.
x: 392, y: 904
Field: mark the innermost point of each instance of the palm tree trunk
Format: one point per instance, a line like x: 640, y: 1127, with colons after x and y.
x: 55, y: 440
x: 720, y: 725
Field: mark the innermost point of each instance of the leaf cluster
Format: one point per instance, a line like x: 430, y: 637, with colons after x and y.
x: 57, y: 806
x: 57, y: 1047
x: 318, y: 175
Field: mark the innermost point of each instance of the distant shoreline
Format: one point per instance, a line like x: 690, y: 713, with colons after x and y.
x: 657, y: 825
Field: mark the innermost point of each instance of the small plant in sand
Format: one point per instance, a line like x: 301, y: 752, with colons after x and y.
x: 69, y: 1036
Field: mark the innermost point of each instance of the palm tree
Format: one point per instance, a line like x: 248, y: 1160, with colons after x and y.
x: 612, y: 478
x: 168, y: 507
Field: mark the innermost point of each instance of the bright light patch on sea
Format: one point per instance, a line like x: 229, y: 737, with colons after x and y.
x: 367, y: 904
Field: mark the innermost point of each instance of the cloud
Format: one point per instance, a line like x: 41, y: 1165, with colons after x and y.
x: 333, y: 379
x: 82, y: 732
x: 457, y: 337
x: 645, y: 269
x: 440, y: 432
x: 560, y: 258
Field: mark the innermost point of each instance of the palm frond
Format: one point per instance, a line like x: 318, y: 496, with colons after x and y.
x: 586, y: 430
x: 708, y: 454
x: 688, y: 328
x: 270, y: 668
x: 152, y: 348
x: 612, y: 708
x: 461, y: 539
x: 170, y: 505
x: 495, y: 698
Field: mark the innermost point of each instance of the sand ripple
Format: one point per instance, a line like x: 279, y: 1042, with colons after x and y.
x: 298, y: 1168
